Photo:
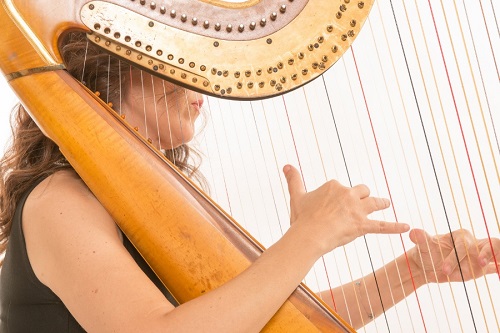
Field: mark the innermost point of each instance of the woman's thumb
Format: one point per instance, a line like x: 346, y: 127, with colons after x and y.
x: 294, y: 180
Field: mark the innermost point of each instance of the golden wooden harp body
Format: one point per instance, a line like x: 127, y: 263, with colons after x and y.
x: 190, y: 248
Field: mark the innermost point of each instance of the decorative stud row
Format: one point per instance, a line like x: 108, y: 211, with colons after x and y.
x: 217, y: 26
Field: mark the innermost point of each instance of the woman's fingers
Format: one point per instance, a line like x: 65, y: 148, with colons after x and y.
x: 489, y: 251
x: 463, y: 241
x: 373, y: 204
x: 361, y: 190
x: 295, y: 184
x: 382, y: 227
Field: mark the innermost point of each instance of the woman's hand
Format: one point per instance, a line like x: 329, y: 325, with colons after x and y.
x: 334, y: 215
x: 436, y: 258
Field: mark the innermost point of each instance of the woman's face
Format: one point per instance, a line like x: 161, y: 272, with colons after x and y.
x: 163, y: 112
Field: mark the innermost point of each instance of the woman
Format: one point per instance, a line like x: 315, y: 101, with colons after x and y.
x: 69, y: 268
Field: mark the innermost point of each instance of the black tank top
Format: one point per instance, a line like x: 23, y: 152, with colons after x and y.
x: 26, y: 304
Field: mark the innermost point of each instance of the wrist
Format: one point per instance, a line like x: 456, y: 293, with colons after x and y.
x: 415, y: 272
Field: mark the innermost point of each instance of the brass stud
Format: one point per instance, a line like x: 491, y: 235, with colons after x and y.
x: 253, y: 25
x: 205, y: 83
x: 117, y: 35
x: 339, y: 15
x: 324, y: 58
x: 108, y: 43
x: 304, y: 72
x: 269, y: 70
x: 236, y: 74
x: 183, y: 75
x: 150, y: 62
x: 350, y: 33
x: 310, y: 47
x: 97, y: 26
x: 97, y: 39
x: 241, y: 28
x: 107, y: 30
x: 153, y: 5
x: 170, y: 57
x: 361, y: 4
x: 138, y: 44
x: 344, y: 37
x: 250, y: 85
x: 280, y: 65
x: 173, y: 13
x: 263, y: 22
x: 192, y: 64
x: 206, y: 24
x: 353, y: 23
x: 214, y: 71
x: 183, y: 17
x: 172, y: 71
x: 321, y: 39
x: 335, y: 49
x: 259, y: 72
x: 163, y: 10
x: 216, y: 87
x: 248, y: 73
x: 118, y: 48
x: 203, y: 68
x: 239, y: 85
x: 91, y: 7
x: 139, y: 57
x: 225, y: 73
x: 223, y: 92
x: 229, y: 27
x: 181, y: 61
x: 272, y: 83
x: 321, y: 65
x: 159, y: 53
x: 301, y: 55
x: 329, y: 28
x: 143, y: 2
x: 149, y: 48
x: 283, y: 9
x: 128, y: 39
x: 194, y: 21
x: 274, y: 15
x: 229, y: 90
x: 283, y: 79
x: 217, y: 26
x: 290, y: 61
x: 294, y: 77
x: 261, y: 84
x: 343, y: 8
x: 315, y: 65
x: 128, y: 52
x: 162, y: 66
x: 279, y: 87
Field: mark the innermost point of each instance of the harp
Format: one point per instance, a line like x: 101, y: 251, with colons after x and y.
x: 303, y: 59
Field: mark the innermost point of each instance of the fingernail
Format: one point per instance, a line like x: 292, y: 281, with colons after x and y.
x: 406, y: 227
x: 286, y: 168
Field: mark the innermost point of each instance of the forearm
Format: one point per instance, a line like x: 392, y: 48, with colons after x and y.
x: 368, y: 297
x: 246, y: 303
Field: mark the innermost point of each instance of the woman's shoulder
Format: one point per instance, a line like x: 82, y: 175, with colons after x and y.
x: 60, y: 216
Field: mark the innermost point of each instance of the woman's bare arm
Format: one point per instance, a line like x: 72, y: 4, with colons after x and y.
x: 75, y: 249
